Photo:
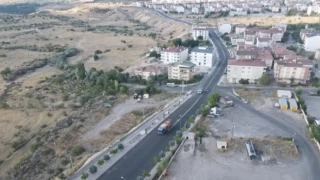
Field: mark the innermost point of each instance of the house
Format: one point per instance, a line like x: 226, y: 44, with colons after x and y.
x: 292, y: 71
x: 174, y: 54
x: 147, y: 71
x: 202, y: 56
x: 277, y: 34
x: 200, y: 31
x: 240, y: 29
x: 250, y: 34
x: 249, y: 41
x: 263, y: 42
x: 263, y: 33
x: 283, y: 103
x: 225, y: 27
x: 181, y: 71
x: 248, y: 69
x: 312, y: 42
x: 293, y: 104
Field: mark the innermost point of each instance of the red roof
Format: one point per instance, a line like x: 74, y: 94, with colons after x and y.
x: 264, y: 39
x: 175, y: 49
x: 247, y: 62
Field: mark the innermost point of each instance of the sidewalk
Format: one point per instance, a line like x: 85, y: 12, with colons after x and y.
x: 129, y: 140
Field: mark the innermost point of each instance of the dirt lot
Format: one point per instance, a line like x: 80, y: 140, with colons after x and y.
x: 208, y: 162
x: 44, y: 118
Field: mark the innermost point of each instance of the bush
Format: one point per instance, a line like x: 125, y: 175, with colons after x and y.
x: 18, y: 144
x: 65, y: 97
x: 162, y: 154
x: 100, y: 162
x: 93, y: 169
x: 95, y: 57
x: 84, y: 176
x: 172, y: 143
x: 179, y: 133
x: 65, y: 162
x: 264, y: 80
x: 156, y: 159
x: 114, y: 151
x: 106, y: 157
x: 120, y: 146
x: 98, y: 52
x: 243, y: 81
x: 34, y: 147
x: 77, y: 150
x: 145, y: 173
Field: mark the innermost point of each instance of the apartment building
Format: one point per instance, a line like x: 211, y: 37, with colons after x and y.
x: 312, y: 42
x: 263, y: 42
x: 246, y: 54
x: 292, y: 71
x: 240, y: 29
x: 265, y: 54
x: 147, y: 71
x: 202, y: 56
x: 181, y: 71
x: 174, y: 54
x: 200, y: 31
x: 248, y: 69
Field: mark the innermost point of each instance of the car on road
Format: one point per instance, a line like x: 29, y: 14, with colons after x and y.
x: 200, y: 90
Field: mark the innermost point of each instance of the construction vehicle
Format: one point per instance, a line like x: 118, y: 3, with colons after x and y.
x: 164, y: 127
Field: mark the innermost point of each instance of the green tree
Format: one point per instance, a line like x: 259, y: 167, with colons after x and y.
x: 98, y: 52
x: 154, y: 54
x: 81, y: 72
x: 77, y: 150
x: 243, y: 81
x: 264, y: 80
x: 204, y: 111
x: 106, y: 157
x: 315, y: 131
x: 93, y: 169
x: 213, y: 99
x: 123, y: 89
x: 116, y: 85
x: 6, y: 71
x: 291, y: 80
x: 200, y: 38
x: 292, y: 12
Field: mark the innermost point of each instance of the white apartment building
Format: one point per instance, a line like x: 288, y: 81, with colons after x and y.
x: 251, y: 70
x: 312, y: 42
x: 181, y: 71
x: 298, y: 70
x: 200, y: 31
x: 202, y: 56
x: 240, y: 29
x: 225, y: 27
x: 174, y: 54
x: 263, y: 42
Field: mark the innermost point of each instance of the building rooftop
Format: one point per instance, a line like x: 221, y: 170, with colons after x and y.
x: 295, y: 63
x: 246, y: 52
x: 174, y: 49
x: 202, y: 49
x: 201, y: 28
x: 247, y: 62
x: 264, y: 39
x: 185, y: 64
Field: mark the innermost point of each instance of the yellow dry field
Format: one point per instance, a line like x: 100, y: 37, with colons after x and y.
x: 265, y: 21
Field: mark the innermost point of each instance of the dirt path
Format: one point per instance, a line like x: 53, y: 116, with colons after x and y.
x: 116, y: 114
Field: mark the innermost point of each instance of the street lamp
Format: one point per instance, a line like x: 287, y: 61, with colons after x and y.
x: 123, y: 178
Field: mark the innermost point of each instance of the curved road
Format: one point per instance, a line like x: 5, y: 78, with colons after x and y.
x: 141, y: 156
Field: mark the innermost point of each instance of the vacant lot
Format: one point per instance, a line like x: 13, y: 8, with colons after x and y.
x: 208, y: 162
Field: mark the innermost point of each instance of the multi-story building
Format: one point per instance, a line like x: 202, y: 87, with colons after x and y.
x: 200, y: 31
x: 246, y: 54
x: 263, y: 42
x: 202, y: 56
x: 265, y: 54
x: 246, y: 69
x: 292, y: 71
x: 174, y: 54
x: 225, y: 27
x: 311, y: 42
x: 240, y: 29
x: 147, y: 71
x: 181, y: 71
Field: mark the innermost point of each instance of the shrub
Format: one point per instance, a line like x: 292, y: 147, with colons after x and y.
x: 172, y: 143
x: 34, y: 147
x: 65, y: 97
x: 162, y: 154
x: 166, y: 148
x: 100, y: 162
x: 114, y: 151
x: 106, y: 157
x: 18, y: 144
x: 77, y: 150
x: 145, y: 173
x: 65, y: 162
x: 95, y: 57
x: 179, y: 133
x: 120, y: 146
x: 156, y: 159
x: 98, y: 52
x: 84, y: 176
x: 4, y: 105
x: 93, y: 169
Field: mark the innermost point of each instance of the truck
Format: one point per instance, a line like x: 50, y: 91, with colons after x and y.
x: 215, y: 111
x: 165, y: 127
x: 200, y: 90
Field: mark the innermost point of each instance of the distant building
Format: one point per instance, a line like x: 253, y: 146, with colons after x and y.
x: 263, y: 42
x: 181, y: 71
x: 200, y: 31
x: 251, y: 70
x: 292, y: 71
x: 202, y: 56
x: 312, y: 42
x: 225, y: 27
x: 240, y: 29
x: 174, y: 54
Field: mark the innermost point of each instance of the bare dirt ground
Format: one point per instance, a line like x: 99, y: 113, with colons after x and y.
x: 37, y: 122
x: 278, y: 160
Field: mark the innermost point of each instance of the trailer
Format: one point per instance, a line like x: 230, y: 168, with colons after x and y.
x: 284, y: 94
x: 165, y: 127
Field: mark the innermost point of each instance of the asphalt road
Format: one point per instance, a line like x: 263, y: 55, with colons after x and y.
x: 140, y: 158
